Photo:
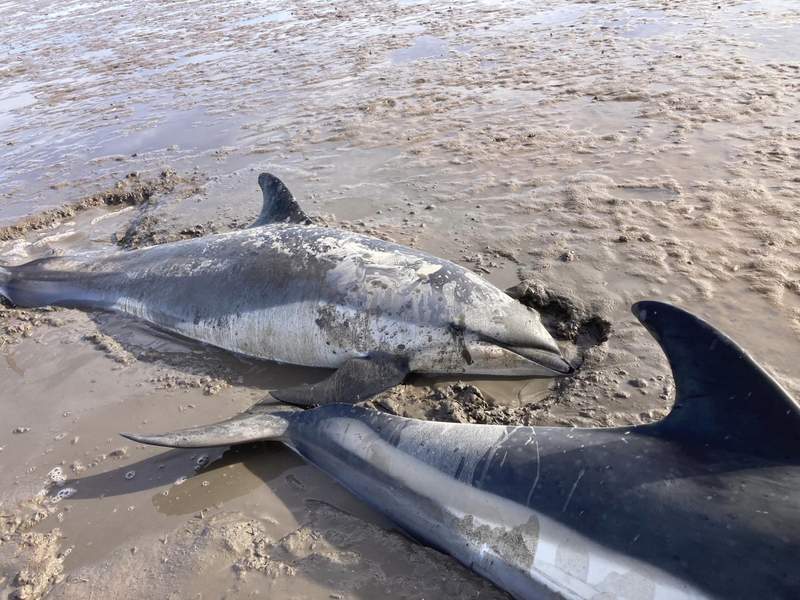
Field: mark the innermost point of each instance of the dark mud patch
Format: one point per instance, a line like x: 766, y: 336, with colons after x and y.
x: 566, y: 317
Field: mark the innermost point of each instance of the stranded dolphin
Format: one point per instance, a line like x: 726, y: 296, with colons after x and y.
x: 705, y: 503
x: 291, y: 292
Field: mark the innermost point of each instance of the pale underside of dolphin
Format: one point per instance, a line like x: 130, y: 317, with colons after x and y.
x: 705, y: 503
x: 288, y: 291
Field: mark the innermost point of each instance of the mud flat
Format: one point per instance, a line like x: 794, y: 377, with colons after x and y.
x: 584, y: 155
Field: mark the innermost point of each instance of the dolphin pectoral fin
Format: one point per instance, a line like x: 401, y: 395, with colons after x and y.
x: 722, y: 396
x: 356, y: 380
x: 260, y: 422
x: 279, y: 204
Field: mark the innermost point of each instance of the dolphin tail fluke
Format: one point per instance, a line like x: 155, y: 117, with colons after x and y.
x: 279, y: 204
x: 40, y: 282
x: 723, y: 398
x: 260, y: 422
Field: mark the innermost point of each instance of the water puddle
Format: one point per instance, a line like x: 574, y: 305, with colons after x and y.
x: 238, y: 472
x: 280, y: 16
x: 13, y: 98
x: 648, y: 24
x: 425, y: 46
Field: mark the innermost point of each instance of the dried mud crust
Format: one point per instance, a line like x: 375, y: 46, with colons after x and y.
x: 150, y: 230
x: 133, y: 190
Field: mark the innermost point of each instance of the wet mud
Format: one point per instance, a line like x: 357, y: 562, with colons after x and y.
x: 581, y: 155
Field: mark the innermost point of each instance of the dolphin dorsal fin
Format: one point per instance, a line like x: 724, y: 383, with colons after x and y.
x: 279, y: 204
x: 722, y: 396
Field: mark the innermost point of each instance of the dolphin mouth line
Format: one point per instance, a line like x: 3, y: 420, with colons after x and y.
x: 546, y: 358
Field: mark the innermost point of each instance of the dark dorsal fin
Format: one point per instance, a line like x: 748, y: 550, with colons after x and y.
x: 279, y: 204
x: 722, y: 396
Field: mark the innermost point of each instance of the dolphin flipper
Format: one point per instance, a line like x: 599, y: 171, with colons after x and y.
x: 722, y: 396
x: 261, y: 421
x: 279, y: 204
x: 356, y: 380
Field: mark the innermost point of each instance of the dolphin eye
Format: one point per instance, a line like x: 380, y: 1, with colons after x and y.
x: 456, y: 329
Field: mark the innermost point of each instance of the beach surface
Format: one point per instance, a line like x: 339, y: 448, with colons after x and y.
x: 583, y: 155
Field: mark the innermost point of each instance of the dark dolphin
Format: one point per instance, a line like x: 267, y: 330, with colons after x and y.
x: 705, y: 503
x: 292, y: 292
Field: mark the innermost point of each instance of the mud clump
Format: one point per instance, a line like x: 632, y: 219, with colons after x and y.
x: 17, y: 324
x: 30, y: 562
x: 566, y: 317
x: 149, y: 230
x: 340, y: 544
x: 112, y: 348
x: 133, y: 190
x: 44, y: 564
x: 583, y: 400
x: 182, y: 381
x: 457, y: 403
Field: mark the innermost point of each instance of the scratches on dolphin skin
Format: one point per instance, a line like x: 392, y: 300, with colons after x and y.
x: 538, y: 473
x: 491, y: 452
x: 572, y: 491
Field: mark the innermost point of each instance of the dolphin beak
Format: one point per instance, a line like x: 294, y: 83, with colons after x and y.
x: 550, y: 360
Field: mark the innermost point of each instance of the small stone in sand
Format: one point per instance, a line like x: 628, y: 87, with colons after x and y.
x: 567, y: 256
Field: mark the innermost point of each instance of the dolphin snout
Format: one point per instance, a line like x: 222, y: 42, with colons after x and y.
x: 548, y: 359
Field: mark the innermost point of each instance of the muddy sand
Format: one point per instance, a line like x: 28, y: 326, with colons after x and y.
x: 583, y: 155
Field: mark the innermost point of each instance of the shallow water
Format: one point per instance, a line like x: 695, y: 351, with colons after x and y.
x: 613, y: 151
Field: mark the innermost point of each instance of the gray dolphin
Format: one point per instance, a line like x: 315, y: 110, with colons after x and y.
x: 291, y: 292
x: 705, y: 503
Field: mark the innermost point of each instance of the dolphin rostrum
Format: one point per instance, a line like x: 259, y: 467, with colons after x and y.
x: 704, y: 503
x: 288, y: 291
